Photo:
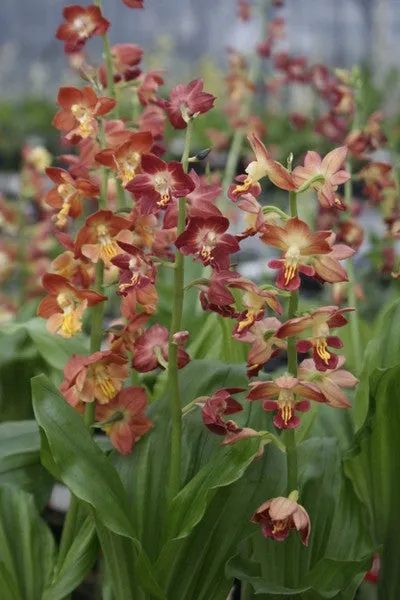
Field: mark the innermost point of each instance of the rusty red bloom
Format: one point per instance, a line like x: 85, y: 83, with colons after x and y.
x: 329, y: 382
x: 159, y: 183
x: 79, y: 110
x: 151, y: 350
x: 279, y: 395
x: 264, y: 343
x: 125, y: 58
x: 68, y: 193
x: 97, y: 239
x: 81, y: 23
x: 123, y: 419
x: 279, y: 515
x: 137, y: 270
x: 207, y: 241
x: 264, y: 166
x: 298, y: 244
x: 64, y: 306
x: 321, y: 321
x: 186, y: 102
x: 96, y: 377
x: 125, y: 159
x: 216, y: 406
x: 324, y: 175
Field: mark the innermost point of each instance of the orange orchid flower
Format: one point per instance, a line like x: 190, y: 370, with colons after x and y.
x: 64, y: 306
x: 265, y: 166
x: 123, y: 418
x: 67, y: 194
x: 125, y: 159
x: 79, y: 110
x: 298, y: 243
x: 98, y: 238
x: 326, y: 174
x: 321, y: 321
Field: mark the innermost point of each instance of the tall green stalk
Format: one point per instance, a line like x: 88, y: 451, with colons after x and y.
x: 356, y: 344
x: 289, y: 434
x: 176, y: 325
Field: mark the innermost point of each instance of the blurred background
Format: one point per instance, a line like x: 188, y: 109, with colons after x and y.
x: 189, y: 39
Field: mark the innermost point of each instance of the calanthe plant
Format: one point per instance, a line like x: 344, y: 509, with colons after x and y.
x: 190, y: 409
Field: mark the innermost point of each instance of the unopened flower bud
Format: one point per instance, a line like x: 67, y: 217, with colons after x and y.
x: 180, y: 338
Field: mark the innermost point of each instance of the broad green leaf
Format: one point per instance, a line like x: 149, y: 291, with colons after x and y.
x: 55, y: 350
x: 190, y: 504
x: 77, y: 564
x: 374, y: 465
x: 226, y: 520
x: 8, y: 587
x: 20, y: 459
x: 83, y: 467
x: 27, y: 545
x: 382, y: 351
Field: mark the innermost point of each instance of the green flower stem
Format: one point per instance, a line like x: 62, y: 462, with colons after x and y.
x: 289, y: 435
x: 356, y: 345
x: 176, y: 323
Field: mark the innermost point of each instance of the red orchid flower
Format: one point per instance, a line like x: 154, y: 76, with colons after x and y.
x: 216, y: 406
x: 123, y: 335
x: 207, y: 241
x: 137, y: 270
x: 321, y: 320
x: 279, y: 515
x: 125, y: 159
x: 283, y: 390
x: 67, y: 194
x: 124, y: 58
x: 199, y: 203
x: 151, y: 347
x: 326, y: 172
x: 79, y: 110
x: 64, y: 306
x: 123, y: 419
x: 97, y: 239
x: 81, y: 24
x: 329, y: 382
x: 297, y: 243
x: 264, y: 344
x: 75, y: 270
x: 158, y: 183
x: 96, y: 377
x: 265, y: 166
x: 186, y: 102
x: 149, y: 84
x: 376, y: 177
x: 115, y: 135
x: 327, y: 266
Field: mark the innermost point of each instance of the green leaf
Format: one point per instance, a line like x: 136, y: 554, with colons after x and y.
x: 8, y: 587
x: 20, y: 459
x: 226, y: 520
x: 189, y: 506
x: 27, y: 545
x: 84, y: 468
x: 382, y: 351
x: 77, y: 564
x: 373, y: 464
x: 55, y: 350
